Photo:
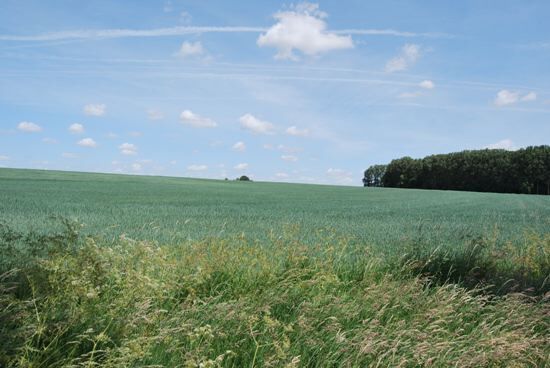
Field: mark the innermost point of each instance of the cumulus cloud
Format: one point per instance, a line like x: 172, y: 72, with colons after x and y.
x: 197, y: 167
x: 505, y: 97
x: 76, y: 128
x: 28, y: 127
x: 190, y: 118
x: 242, y: 166
x: 153, y: 114
x: 289, y: 158
x: 506, y: 144
x: 128, y: 149
x: 95, y: 109
x: 239, y: 146
x: 190, y: 49
x: 340, y: 176
x: 255, y: 125
x: 297, y: 132
x: 87, y: 142
x: 426, y: 84
x: 136, y: 166
x: 302, y: 28
x: 531, y: 96
x: 408, y: 56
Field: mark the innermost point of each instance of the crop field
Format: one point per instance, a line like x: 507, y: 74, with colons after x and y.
x: 126, y: 271
x: 174, y: 210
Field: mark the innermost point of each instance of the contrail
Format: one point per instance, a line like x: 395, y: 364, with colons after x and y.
x: 186, y: 30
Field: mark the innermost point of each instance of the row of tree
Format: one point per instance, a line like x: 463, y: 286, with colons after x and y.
x: 526, y: 170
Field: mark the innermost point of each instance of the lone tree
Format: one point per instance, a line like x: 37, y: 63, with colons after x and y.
x: 244, y: 178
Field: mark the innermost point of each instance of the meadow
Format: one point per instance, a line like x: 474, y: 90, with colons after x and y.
x: 116, y: 270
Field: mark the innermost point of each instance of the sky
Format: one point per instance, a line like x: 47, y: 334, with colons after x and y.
x: 297, y: 92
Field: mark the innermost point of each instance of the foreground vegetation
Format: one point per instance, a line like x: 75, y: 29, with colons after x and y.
x: 66, y: 300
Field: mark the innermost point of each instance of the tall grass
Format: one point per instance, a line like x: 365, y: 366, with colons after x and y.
x: 232, y: 302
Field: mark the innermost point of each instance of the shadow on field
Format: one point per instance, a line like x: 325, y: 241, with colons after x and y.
x: 483, y: 264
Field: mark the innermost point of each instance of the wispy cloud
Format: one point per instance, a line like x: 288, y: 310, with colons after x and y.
x: 408, y: 56
x: 189, y: 30
x: 95, y: 109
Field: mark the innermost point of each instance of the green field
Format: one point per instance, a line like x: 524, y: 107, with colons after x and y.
x: 173, y: 210
x: 133, y: 271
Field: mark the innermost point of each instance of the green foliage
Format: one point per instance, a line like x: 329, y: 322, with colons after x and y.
x: 374, y: 175
x: 233, y: 302
x: 523, y: 171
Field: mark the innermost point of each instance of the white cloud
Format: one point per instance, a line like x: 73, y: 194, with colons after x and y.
x: 69, y: 155
x: 410, y: 94
x: 239, y: 146
x: 136, y: 166
x: 250, y: 122
x: 87, y: 142
x: 153, y: 114
x: 302, y: 28
x: 76, y: 128
x: 242, y: 166
x: 340, y: 176
x: 95, y: 109
x: 289, y: 158
x: 505, y: 97
x: 188, y: 30
x: 197, y: 167
x: 4, y: 158
x: 49, y: 140
x: 297, y: 132
x: 426, y: 84
x: 531, y: 96
x: 128, y: 149
x: 408, y: 56
x: 281, y: 175
x: 506, y: 144
x: 28, y: 127
x: 287, y: 149
x: 190, y: 118
x: 190, y: 49
x: 185, y: 17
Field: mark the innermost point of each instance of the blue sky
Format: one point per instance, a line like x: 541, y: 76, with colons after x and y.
x: 298, y: 92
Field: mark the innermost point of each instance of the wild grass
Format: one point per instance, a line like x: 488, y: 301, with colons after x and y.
x: 234, y: 302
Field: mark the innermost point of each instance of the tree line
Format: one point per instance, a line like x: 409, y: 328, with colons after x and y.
x: 526, y: 170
